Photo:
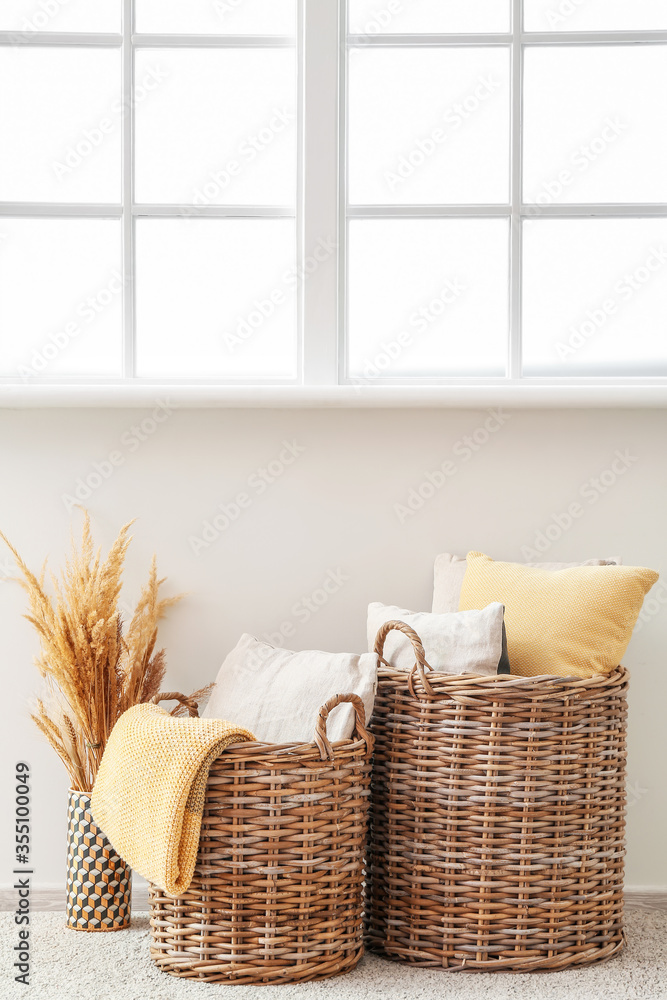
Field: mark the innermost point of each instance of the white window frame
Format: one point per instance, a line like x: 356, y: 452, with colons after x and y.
x: 322, y: 212
x: 516, y: 211
x: 129, y: 210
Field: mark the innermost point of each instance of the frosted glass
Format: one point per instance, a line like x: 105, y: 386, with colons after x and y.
x: 595, y: 126
x: 220, y: 17
x: 427, y: 297
x: 27, y: 16
x: 60, y: 132
x: 378, y: 17
x: 595, y: 15
x: 595, y: 297
x: 61, y: 294
x: 429, y: 126
x: 216, y: 297
x: 220, y: 128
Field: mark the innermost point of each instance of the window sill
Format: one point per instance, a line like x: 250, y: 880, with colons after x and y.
x: 528, y: 394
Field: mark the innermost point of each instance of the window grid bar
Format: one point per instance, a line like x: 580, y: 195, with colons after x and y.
x: 428, y: 211
x: 214, y: 211
x: 514, y: 358
x: 128, y: 237
x: 321, y: 191
x: 486, y: 381
x: 298, y: 212
x: 45, y: 210
x: 429, y: 41
x: 162, y: 380
x: 111, y: 40
x: 558, y: 38
x: 524, y: 211
x: 462, y: 380
x: 152, y: 41
x: 164, y: 384
x: 147, y: 40
x: 555, y: 38
x: 58, y: 38
x: 343, y: 196
x: 56, y: 210
x: 635, y: 210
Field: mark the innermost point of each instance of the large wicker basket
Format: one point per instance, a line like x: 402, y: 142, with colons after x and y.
x: 497, y: 819
x: 277, y: 894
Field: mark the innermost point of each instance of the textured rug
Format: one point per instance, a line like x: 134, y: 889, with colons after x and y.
x: 70, y: 965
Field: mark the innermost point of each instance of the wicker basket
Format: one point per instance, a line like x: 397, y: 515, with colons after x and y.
x: 497, y: 818
x: 277, y: 894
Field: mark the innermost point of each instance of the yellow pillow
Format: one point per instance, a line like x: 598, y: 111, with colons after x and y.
x: 571, y: 622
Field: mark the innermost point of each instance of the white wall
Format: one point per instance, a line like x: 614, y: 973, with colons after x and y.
x: 331, y: 511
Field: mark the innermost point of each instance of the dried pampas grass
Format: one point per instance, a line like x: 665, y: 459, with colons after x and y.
x: 93, y: 666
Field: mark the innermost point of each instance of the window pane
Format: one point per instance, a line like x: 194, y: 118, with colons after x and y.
x: 220, y: 17
x: 429, y: 126
x: 216, y: 297
x: 60, y: 15
x: 427, y: 297
x: 61, y: 292
x: 595, y: 297
x: 595, y: 15
x: 60, y: 133
x: 595, y: 124
x: 218, y: 128
x: 374, y: 17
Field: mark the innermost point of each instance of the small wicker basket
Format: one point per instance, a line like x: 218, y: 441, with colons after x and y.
x: 497, y: 818
x: 277, y: 894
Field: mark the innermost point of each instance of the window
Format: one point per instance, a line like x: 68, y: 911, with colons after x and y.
x: 148, y: 179
x: 323, y: 193
x: 506, y: 186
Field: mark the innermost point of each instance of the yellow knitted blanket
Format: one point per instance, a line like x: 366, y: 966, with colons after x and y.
x: 148, y: 797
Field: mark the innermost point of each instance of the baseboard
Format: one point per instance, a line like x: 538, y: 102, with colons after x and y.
x: 646, y: 897
x: 48, y: 897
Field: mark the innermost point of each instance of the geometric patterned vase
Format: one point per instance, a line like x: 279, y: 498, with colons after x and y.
x: 98, y: 881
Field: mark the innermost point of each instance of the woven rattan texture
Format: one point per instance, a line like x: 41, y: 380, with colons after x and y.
x: 277, y: 894
x: 497, y: 823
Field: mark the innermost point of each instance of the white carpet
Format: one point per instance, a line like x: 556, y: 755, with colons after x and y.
x: 69, y: 965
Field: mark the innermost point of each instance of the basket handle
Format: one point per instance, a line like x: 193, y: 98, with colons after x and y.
x: 325, y: 748
x: 192, y: 706
x: 420, y: 667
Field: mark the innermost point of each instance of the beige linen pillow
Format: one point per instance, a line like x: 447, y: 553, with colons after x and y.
x: 277, y: 693
x: 449, y: 572
x: 465, y: 642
